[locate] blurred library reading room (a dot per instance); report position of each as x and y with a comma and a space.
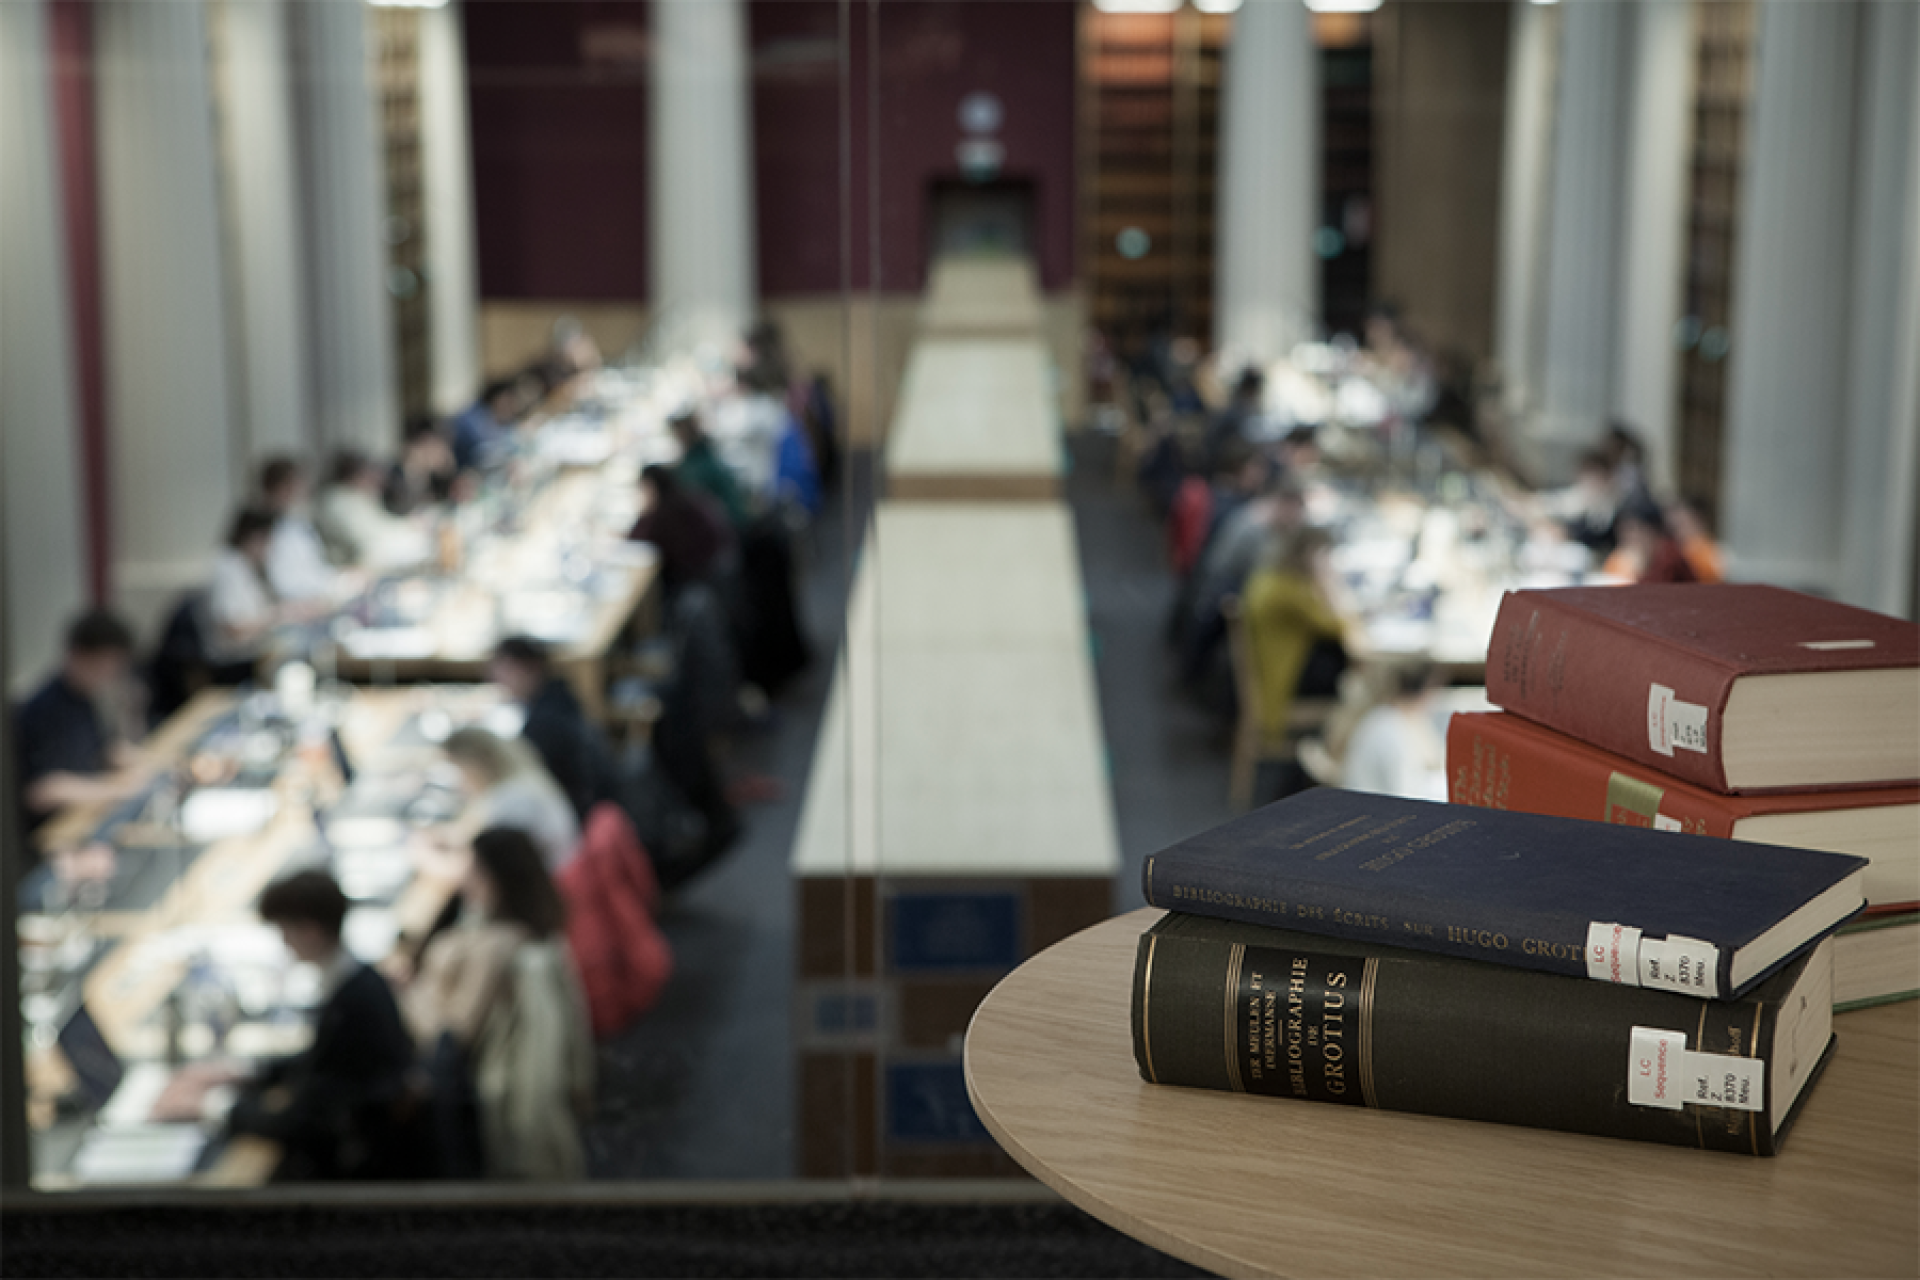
716, 637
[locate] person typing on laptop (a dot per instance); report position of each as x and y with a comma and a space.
348, 1107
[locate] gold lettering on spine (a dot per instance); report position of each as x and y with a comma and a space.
1146, 1010
1369, 979
1236, 959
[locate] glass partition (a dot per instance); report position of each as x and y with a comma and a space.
840, 481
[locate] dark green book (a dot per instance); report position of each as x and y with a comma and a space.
1218, 1004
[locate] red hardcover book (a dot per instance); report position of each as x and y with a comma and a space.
1732, 687
1496, 760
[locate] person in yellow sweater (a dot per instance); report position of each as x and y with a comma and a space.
1287, 609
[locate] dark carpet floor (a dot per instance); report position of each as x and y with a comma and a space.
836, 1239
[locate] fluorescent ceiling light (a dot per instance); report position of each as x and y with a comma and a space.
1136, 6
1343, 6
1216, 6
408, 4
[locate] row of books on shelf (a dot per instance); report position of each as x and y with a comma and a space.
1690, 836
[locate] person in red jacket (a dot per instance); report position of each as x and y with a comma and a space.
612, 895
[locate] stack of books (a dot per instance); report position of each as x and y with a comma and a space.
1741, 711
1650, 955
1494, 966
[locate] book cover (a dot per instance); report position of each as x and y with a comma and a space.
1218, 1005
1498, 760
1619, 904
1650, 672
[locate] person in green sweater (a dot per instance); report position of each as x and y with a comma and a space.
701, 468
1287, 609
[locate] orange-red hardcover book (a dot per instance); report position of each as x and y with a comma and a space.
1497, 760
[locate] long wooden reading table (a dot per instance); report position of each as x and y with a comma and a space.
977, 419
956, 820
146, 952
972, 295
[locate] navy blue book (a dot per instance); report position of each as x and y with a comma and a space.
1632, 905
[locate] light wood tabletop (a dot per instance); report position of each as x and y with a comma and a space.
981, 295
962, 735
977, 418
1274, 1187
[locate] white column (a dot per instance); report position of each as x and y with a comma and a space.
43, 525
355, 395
702, 245
168, 414
1266, 278
1532, 54
453, 271
266, 227
1787, 374
1654, 234
1576, 381
1883, 347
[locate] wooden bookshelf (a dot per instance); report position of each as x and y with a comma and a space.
1724, 52
396, 71
1150, 136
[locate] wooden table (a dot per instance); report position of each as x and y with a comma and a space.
1270, 1187
129, 983
514, 578
957, 819
983, 295
978, 418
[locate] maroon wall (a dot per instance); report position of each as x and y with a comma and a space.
932, 54
560, 149
558, 94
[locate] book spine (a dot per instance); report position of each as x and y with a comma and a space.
1229, 890
1473, 1042
1495, 761
1620, 690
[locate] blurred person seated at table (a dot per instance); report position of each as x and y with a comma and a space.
1200, 512
497, 1005
349, 1106
483, 429
1228, 561
1696, 541
355, 524
1647, 550
297, 566
761, 439
701, 469
507, 786
425, 473
684, 525
1587, 508
1294, 631
1234, 424
1395, 749
571, 351
569, 744
242, 606
68, 739
1626, 457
